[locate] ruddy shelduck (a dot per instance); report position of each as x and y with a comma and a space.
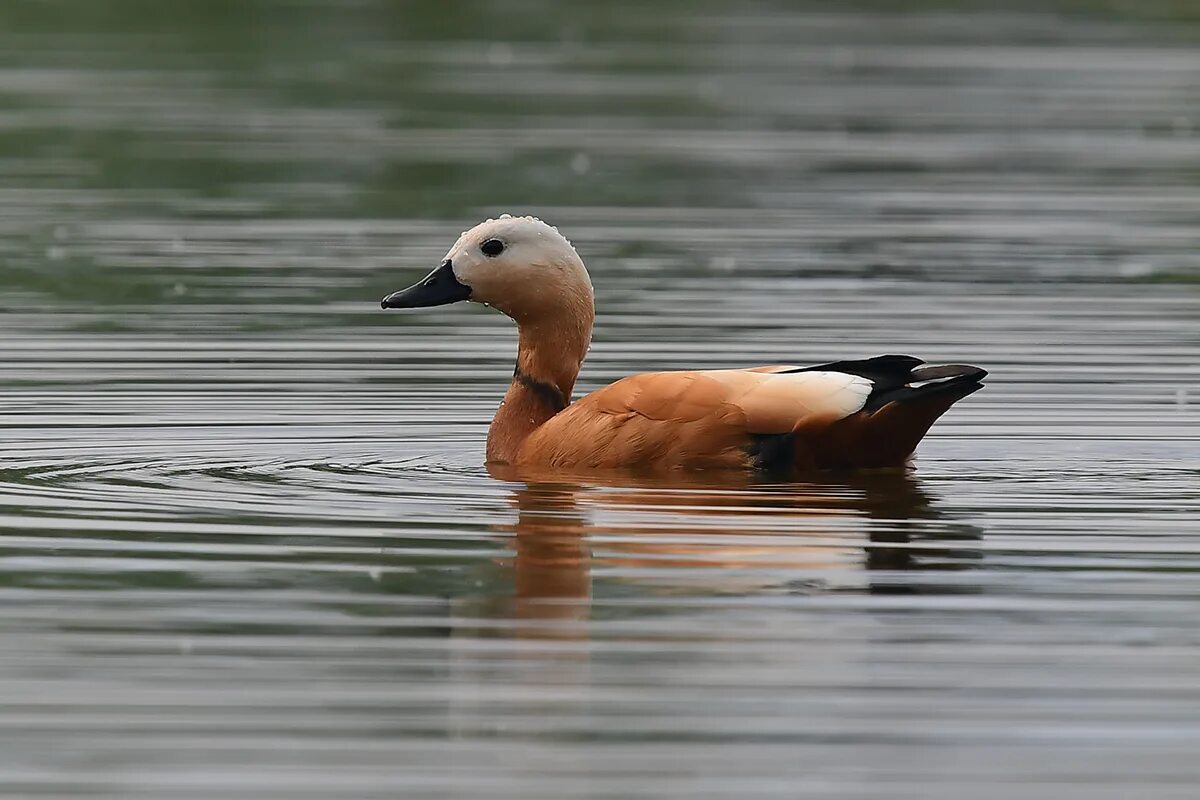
845, 414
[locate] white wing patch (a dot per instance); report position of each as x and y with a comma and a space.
827, 392
778, 402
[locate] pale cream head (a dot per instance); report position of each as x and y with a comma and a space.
520, 266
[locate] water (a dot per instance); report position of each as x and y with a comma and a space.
249, 546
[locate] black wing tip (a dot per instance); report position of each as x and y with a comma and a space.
893, 377
955, 381
895, 368
900, 378
889, 368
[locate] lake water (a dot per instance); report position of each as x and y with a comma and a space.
249, 546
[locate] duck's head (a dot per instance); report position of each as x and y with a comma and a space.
518, 265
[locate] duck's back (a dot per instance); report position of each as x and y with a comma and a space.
854, 413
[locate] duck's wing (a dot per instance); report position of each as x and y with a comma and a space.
689, 419
847, 413
900, 379
781, 399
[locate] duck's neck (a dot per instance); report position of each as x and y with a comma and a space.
550, 352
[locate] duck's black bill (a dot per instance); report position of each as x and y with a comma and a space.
438, 288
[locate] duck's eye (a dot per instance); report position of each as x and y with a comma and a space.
492, 247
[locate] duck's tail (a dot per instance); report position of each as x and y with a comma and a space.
906, 398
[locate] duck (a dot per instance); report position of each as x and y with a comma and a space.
777, 419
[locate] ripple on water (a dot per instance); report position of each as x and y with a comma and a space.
249, 547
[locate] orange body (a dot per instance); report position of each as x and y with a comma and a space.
706, 420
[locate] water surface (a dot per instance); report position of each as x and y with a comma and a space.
249, 545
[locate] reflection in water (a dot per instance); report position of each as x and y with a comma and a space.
552, 567
730, 535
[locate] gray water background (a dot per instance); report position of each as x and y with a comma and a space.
249, 548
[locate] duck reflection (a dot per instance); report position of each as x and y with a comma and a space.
552, 567
872, 532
